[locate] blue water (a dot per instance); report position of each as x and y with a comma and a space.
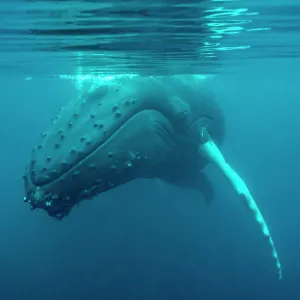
148, 240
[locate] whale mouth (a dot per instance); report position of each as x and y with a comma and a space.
45, 168
93, 146
92, 159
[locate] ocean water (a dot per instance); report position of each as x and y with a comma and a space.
147, 239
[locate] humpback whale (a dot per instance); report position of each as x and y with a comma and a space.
167, 127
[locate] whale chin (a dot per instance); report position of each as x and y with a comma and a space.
133, 149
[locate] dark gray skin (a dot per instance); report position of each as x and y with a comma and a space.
123, 130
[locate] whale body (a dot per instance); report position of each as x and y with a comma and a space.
141, 127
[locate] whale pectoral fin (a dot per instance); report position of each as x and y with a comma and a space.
210, 151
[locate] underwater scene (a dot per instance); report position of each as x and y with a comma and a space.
150, 150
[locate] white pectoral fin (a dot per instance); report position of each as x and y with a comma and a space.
210, 151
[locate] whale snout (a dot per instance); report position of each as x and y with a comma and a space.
104, 140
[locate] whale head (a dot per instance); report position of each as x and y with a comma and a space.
110, 136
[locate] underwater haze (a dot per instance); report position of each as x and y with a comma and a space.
148, 239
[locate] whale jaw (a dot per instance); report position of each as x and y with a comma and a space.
133, 150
